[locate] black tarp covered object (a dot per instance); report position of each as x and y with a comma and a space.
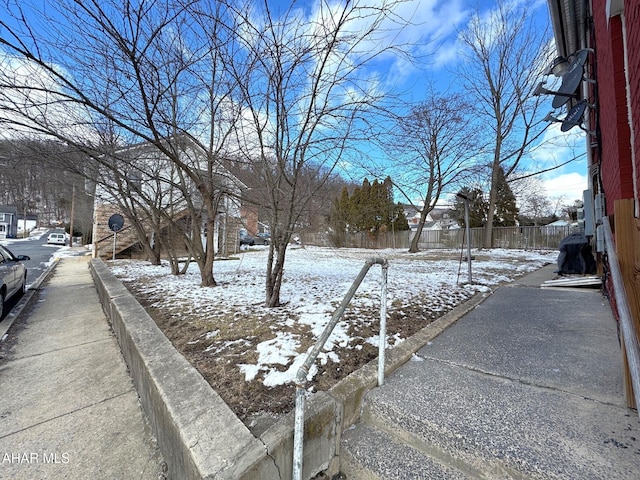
576, 256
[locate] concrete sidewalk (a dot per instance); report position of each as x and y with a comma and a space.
68, 408
527, 385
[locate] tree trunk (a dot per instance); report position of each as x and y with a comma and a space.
152, 249
207, 271
413, 248
153, 256
275, 272
493, 191
488, 228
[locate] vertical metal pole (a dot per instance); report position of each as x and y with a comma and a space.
115, 235
468, 229
298, 433
301, 376
73, 207
383, 326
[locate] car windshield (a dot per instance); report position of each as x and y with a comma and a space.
5, 254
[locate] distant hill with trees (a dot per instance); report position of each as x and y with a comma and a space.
40, 178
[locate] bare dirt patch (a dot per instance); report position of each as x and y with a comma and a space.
224, 331
237, 337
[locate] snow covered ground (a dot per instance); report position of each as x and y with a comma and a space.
315, 282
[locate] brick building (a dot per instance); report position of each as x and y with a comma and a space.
608, 34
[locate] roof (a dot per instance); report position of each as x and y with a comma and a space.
183, 142
558, 223
569, 20
9, 209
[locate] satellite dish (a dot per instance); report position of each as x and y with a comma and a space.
570, 83
116, 222
574, 117
581, 56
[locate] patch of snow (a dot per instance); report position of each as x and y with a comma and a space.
315, 282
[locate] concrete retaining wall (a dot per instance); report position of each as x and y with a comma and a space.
198, 434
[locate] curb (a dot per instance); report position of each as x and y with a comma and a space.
198, 434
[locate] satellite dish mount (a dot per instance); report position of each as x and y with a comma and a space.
116, 222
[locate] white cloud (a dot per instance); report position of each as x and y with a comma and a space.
568, 185
557, 146
33, 103
566, 151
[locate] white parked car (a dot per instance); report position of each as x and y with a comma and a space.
57, 239
13, 276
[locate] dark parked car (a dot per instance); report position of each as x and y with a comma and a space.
262, 239
247, 240
13, 275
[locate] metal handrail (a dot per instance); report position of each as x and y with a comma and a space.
631, 346
303, 371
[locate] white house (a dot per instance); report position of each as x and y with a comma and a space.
8, 222
155, 183
413, 219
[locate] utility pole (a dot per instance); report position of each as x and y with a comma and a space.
73, 207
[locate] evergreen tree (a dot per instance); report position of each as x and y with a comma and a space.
369, 209
398, 219
506, 213
379, 208
340, 216
477, 208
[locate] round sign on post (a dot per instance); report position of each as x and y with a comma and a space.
116, 222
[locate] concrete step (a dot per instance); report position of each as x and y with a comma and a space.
369, 453
458, 422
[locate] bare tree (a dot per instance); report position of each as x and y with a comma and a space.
533, 201
307, 103
39, 177
433, 145
504, 55
151, 72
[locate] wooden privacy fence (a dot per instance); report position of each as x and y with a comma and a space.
527, 238
627, 246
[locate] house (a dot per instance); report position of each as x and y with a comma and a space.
154, 184
30, 222
8, 222
557, 226
253, 212
598, 45
413, 219
445, 217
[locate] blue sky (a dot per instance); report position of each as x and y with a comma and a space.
433, 32
439, 23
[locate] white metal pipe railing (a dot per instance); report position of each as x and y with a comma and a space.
631, 346
303, 371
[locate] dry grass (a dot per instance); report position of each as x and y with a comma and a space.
216, 357
216, 343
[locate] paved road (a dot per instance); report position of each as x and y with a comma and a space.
36, 247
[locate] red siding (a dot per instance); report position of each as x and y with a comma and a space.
616, 163
632, 23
